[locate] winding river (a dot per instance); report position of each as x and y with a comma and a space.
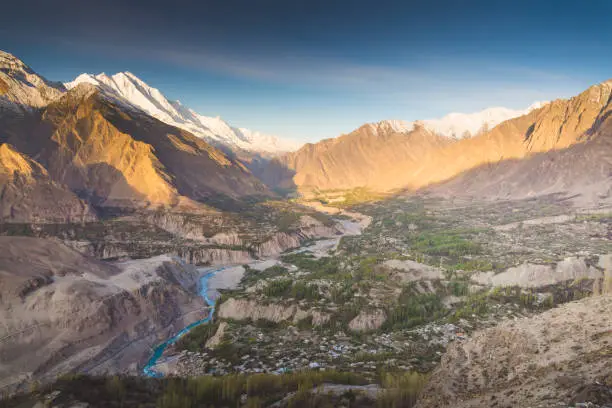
149, 368
320, 248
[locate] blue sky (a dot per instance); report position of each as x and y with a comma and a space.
315, 69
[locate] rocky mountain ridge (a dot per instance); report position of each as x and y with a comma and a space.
461, 125
22, 89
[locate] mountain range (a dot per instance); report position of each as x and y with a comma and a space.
84, 144
561, 146
462, 125
113, 141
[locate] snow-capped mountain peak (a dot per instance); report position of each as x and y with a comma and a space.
133, 91
461, 125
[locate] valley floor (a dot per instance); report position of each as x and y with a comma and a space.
412, 282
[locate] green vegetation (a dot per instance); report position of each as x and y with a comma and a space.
413, 310
324, 267
251, 276
471, 265
287, 288
448, 243
288, 221
480, 304
458, 288
196, 339
401, 390
358, 195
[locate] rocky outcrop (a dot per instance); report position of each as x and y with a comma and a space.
193, 254
530, 275
247, 309
278, 243
213, 256
545, 360
196, 222
220, 249
243, 309
283, 241
408, 271
368, 320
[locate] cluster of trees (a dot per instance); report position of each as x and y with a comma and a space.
414, 309
401, 390
253, 275
447, 244
287, 288
322, 267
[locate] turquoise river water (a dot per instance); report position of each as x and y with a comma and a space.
149, 368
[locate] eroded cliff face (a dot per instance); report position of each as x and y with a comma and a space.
73, 313
368, 320
238, 243
533, 275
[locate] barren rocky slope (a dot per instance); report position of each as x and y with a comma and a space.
61, 311
375, 156
558, 358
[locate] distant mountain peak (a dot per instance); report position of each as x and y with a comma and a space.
457, 125
133, 91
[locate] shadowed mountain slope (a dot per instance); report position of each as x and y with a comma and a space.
583, 170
